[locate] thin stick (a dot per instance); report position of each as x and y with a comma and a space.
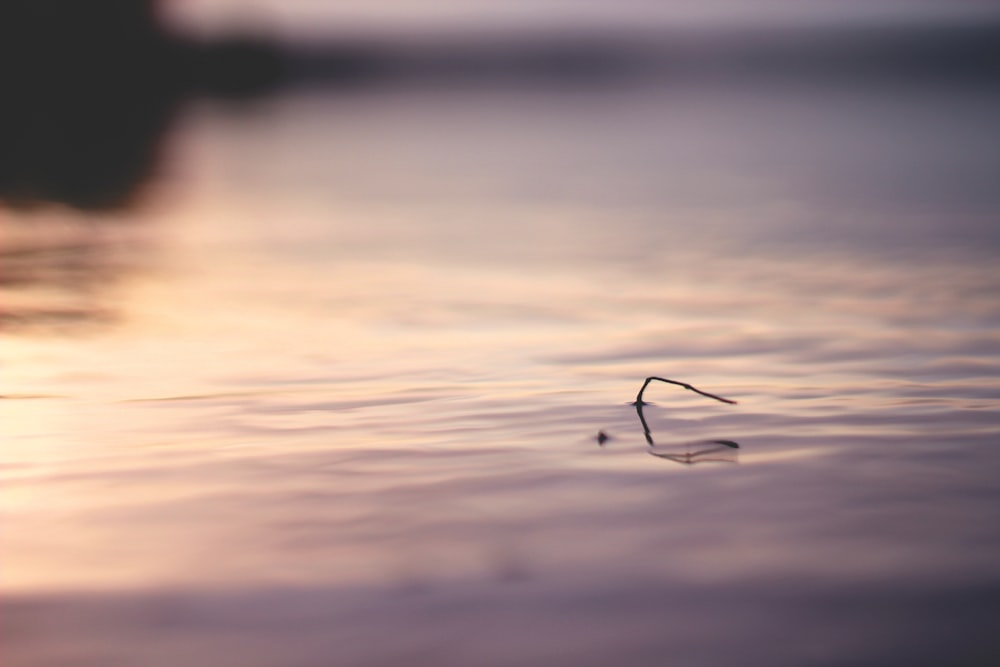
639, 401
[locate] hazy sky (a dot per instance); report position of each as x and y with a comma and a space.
312, 17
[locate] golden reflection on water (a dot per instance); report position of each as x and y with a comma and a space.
332, 369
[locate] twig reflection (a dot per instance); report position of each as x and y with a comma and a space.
710, 450
720, 451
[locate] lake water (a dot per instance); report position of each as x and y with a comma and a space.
330, 394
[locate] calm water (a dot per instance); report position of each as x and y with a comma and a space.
330, 395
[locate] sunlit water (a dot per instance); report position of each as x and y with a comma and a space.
332, 394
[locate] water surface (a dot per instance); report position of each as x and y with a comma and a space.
332, 394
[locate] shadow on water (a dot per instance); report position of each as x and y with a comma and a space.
65, 280
89, 92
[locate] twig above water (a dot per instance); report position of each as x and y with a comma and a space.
640, 402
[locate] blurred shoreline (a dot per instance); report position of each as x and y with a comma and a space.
966, 54
91, 88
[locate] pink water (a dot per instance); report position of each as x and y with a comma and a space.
331, 394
